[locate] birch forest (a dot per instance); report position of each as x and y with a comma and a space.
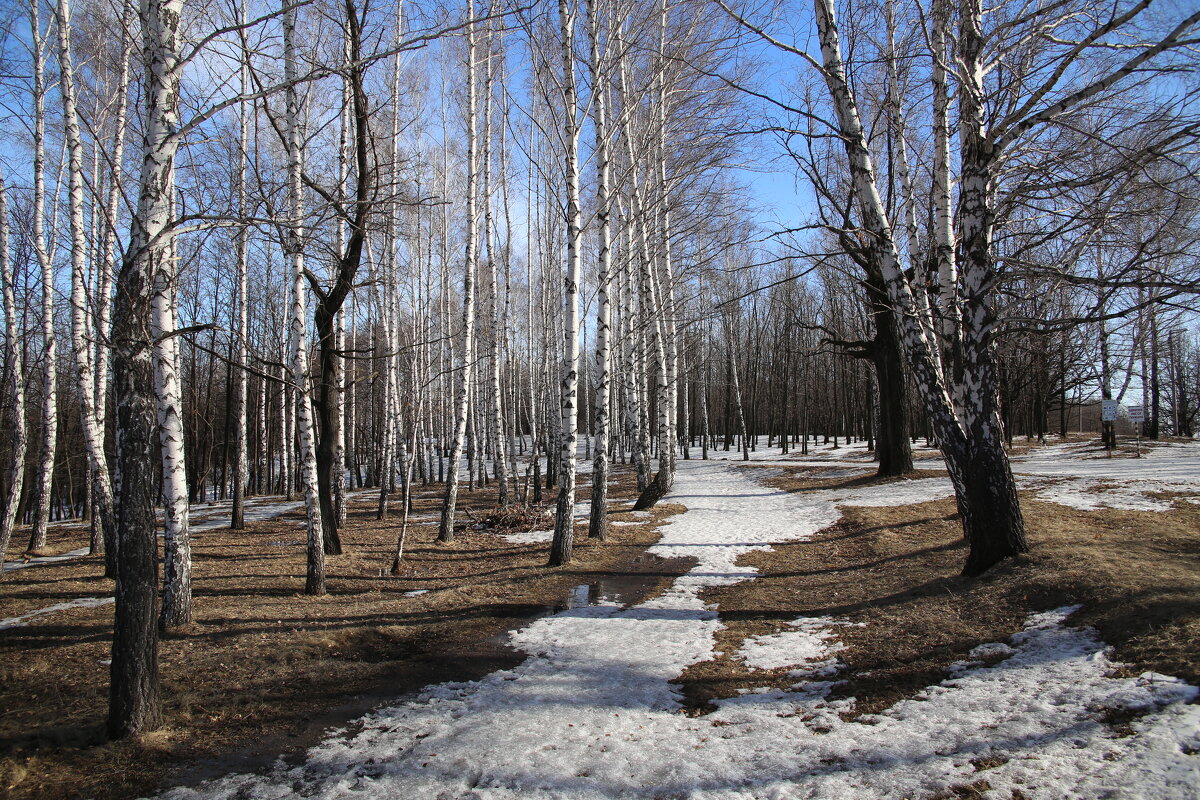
344, 251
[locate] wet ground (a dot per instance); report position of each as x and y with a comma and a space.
466, 662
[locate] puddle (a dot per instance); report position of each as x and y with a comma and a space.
621, 590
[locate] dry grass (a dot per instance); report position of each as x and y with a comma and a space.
1136, 574
264, 669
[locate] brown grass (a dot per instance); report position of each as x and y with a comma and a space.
264, 669
1137, 575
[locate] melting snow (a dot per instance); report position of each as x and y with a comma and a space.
592, 714
811, 645
82, 602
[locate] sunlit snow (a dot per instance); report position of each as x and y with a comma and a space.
592, 712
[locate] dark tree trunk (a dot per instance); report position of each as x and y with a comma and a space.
1152, 426
325, 406
135, 706
134, 703
893, 447
992, 521
331, 300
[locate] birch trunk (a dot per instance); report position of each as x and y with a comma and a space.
109, 257
446, 526
49, 418
135, 705
294, 246
90, 424
241, 465
14, 406
564, 518
499, 456
947, 315
598, 518
177, 552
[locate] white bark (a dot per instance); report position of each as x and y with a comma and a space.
177, 551
109, 256
14, 405
564, 519
943, 215
497, 405
446, 527
294, 246
90, 424
49, 417
669, 400
598, 518
241, 472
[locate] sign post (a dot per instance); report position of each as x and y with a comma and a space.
1137, 415
1108, 413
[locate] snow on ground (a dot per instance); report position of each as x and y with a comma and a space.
592, 713
38, 560
530, 537
82, 602
201, 517
207, 518
1079, 476
810, 645
1075, 474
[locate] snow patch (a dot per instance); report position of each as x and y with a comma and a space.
811, 646
529, 537
82, 602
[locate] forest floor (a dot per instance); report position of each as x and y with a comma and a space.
800, 631
264, 670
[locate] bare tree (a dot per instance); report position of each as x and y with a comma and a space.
14, 386
135, 705
564, 518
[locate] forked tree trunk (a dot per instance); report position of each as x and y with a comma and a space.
135, 705
974, 453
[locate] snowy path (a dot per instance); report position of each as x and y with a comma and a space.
591, 713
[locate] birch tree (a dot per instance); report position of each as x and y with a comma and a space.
49, 416
462, 398
14, 388
93, 431
241, 466
135, 704
597, 66
109, 257
294, 248
564, 518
